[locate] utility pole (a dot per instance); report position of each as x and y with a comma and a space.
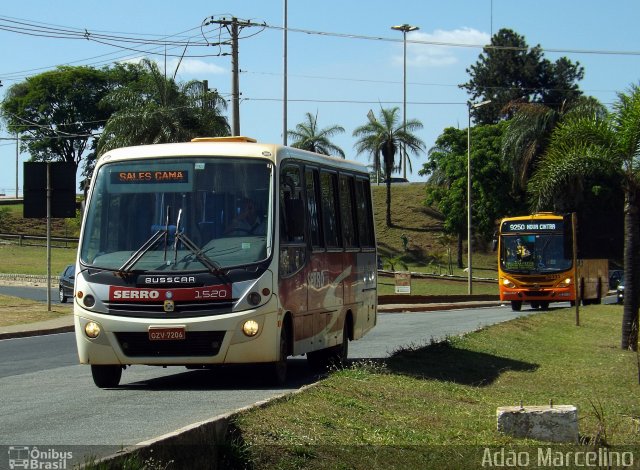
235, 80
234, 26
205, 90
17, 158
284, 83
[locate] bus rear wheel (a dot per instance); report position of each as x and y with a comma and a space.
334, 356
516, 305
106, 376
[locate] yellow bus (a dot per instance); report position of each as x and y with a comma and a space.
223, 251
535, 263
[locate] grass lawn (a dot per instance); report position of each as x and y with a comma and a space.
15, 259
435, 406
14, 311
435, 286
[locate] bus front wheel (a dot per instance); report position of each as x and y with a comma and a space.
106, 376
516, 305
278, 374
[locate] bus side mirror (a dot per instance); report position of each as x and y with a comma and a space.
494, 243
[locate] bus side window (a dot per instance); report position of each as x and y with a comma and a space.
313, 213
328, 185
364, 213
292, 221
347, 213
291, 206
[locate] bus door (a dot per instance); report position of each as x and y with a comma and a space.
293, 255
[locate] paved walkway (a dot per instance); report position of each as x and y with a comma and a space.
64, 323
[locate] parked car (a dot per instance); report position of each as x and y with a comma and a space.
66, 282
615, 276
620, 290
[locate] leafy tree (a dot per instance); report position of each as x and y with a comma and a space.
154, 109
447, 188
308, 137
592, 145
382, 137
509, 71
58, 111
529, 130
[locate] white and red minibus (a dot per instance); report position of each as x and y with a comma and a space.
223, 251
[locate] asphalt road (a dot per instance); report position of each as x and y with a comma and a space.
31, 293
47, 398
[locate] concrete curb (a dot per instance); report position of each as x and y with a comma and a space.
37, 332
212, 432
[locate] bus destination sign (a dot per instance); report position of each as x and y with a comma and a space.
155, 177
538, 226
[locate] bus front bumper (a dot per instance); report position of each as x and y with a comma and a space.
209, 340
539, 295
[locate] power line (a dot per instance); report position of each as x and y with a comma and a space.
452, 44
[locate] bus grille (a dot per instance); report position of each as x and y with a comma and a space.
156, 310
196, 343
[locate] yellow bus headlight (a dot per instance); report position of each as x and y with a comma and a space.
507, 283
92, 330
250, 328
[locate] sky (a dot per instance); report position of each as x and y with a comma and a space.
343, 57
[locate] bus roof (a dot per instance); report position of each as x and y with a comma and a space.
233, 146
537, 215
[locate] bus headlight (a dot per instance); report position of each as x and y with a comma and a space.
254, 298
567, 281
250, 328
92, 330
507, 283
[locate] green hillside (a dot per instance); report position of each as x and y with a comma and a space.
426, 248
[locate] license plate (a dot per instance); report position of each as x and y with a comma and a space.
167, 334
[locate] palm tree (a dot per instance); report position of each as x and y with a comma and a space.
382, 137
156, 109
585, 146
308, 137
529, 130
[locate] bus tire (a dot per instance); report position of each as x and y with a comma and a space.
278, 373
335, 356
106, 376
544, 305
338, 354
516, 305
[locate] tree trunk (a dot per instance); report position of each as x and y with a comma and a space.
631, 268
389, 199
460, 266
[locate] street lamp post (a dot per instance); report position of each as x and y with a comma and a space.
405, 28
470, 106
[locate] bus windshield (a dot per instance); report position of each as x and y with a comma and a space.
533, 253
179, 214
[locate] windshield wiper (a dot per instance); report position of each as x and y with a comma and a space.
146, 246
210, 264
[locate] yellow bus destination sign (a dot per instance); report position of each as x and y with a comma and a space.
515, 226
